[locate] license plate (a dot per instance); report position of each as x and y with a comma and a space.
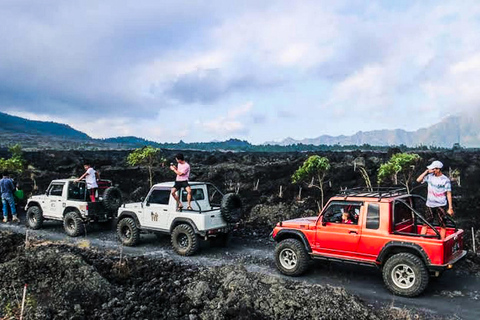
455, 248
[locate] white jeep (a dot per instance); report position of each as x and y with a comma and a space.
67, 200
213, 216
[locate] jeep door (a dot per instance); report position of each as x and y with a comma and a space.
156, 209
336, 236
54, 202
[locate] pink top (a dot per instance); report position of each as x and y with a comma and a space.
185, 170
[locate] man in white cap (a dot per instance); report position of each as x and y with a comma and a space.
439, 192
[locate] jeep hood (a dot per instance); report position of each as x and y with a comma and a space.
299, 222
37, 197
131, 206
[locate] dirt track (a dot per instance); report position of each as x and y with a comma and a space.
455, 295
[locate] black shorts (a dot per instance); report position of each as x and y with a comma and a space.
181, 184
438, 213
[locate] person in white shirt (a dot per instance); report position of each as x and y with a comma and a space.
90, 177
439, 193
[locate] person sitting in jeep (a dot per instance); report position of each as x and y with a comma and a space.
346, 218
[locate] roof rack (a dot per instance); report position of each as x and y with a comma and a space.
378, 192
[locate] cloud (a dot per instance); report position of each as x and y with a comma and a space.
317, 64
230, 123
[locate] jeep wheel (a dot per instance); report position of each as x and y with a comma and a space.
73, 224
231, 208
184, 240
291, 258
34, 218
405, 274
112, 198
127, 232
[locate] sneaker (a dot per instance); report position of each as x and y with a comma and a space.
5, 220
15, 219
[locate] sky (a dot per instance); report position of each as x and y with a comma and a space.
253, 70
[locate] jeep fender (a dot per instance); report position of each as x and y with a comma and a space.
33, 203
129, 214
68, 209
190, 222
393, 247
286, 233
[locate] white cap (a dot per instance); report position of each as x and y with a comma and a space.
435, 164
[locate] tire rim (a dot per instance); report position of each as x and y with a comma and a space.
70, 224
126, 232
32, 218
403, 276
288, 258
182, 240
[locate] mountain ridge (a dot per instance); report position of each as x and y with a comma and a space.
453, 130
456, 129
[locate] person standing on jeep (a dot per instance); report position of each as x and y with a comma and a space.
90, 176
439, 192
7, 189
183, 174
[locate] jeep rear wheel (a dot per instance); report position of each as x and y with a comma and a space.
73, 224
291, 258
405, 274
184, 240
34, 218
112, 198
127, 232
231, 208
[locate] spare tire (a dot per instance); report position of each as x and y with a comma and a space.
112, 198
231, 207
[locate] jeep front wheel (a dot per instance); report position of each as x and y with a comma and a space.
34, 217
73, 224
291, 258
127, 232
184, 240
405, 274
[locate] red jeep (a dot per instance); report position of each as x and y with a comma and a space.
387, 228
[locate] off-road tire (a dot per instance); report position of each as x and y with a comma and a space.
112, 198
231, 208
405, 274
128, 232
73, 224
34, 218
291, 258
184, 240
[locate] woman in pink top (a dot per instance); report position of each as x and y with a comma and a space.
183, 173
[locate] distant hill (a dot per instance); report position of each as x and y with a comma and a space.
462, 129
130, 141
17, 125
34, 135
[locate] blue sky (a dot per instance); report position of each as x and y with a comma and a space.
254, 70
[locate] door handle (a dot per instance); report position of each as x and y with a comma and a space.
165, 209
212, 216
352, 231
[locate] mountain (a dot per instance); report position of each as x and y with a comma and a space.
463, 129
34, 135
17, 125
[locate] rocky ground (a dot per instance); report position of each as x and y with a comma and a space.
69, 282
